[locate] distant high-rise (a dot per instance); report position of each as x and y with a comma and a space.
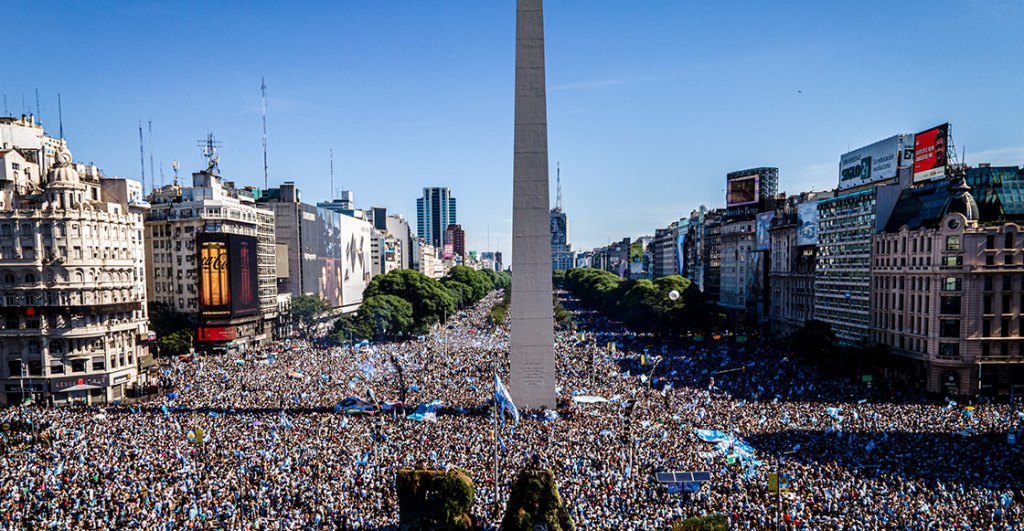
434, 212
456, 238
562, 255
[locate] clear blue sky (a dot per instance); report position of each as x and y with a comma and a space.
650, 103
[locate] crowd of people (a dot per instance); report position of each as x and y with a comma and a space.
265, 439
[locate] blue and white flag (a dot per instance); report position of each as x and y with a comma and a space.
504, 400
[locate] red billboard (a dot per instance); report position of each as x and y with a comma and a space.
930, 153
217, 333
742, 189
228, 275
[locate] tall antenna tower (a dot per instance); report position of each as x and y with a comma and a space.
39, 111
142, 157
162, 174
558, 180
332, 174
60, 114
175, 166
263, 88
210, 145
6, 112
152, 174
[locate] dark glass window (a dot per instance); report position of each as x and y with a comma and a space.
950, 305
949, 328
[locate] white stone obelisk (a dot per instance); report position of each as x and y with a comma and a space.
532, 381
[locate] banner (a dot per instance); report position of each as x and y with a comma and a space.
930, 153
807, 223
762, 240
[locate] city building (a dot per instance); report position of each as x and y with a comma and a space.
870, 182
212, 254
792, 240
434, 212
948, 277
72, 275
741, 279
429, 263
562, 255
668, 256
455, 243
737, 243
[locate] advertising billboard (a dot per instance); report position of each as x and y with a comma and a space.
871, 164
807, 223
228, 275
930, 153
761, 237
742, 190
356, 260
681, 253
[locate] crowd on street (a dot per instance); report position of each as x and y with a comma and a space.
305, 435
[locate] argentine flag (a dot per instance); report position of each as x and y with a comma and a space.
504, 400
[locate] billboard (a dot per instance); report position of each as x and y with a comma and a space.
930, 153
761, 237
681, 252
878, 162
807, 223
742, 189
228, 275
356, 260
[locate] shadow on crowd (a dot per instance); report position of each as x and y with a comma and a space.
982, 460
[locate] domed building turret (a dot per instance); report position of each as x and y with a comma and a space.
64, 188
961, 200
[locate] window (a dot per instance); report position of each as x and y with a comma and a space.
986, 303
953, 283
953, 261
952, 243
986, 327
950, 305
99, 364
990, 241
949, 328
1008, 259
1004, 328
987, 283
1009, 241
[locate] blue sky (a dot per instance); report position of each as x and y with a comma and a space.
650, 103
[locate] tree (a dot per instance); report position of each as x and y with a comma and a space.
477, 281
348, 328
306, 311
386, 315
534, 500
430, 301
814, 342
179, 342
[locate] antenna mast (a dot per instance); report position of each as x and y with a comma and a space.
558, 179
210, 145
6, 112
332, 174
142, 157
263, 88
152, 174
39, 112
175, 166
60, 114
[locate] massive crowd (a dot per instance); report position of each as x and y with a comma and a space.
258, 440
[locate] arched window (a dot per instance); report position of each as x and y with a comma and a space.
30, 278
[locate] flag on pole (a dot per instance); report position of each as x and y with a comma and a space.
504, 400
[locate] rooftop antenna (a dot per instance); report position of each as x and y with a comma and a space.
142, 157
60, 114
39, 112
162, 174
263, 88
152, 174
175, 166
6, 112
210, 145
332, 174
558, 179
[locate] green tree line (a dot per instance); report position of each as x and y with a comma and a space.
406, 302
643, 305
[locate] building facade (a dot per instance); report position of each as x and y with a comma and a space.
74, 325
434, 212
791, 258
208, 249
455, 240
948, 278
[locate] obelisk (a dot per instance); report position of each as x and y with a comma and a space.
532, 381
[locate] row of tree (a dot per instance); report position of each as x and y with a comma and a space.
667, 306
406, 302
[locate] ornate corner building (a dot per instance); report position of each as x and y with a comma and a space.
73, 322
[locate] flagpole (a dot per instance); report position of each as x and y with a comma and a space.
497, 505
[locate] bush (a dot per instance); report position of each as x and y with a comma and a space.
705, 523
434, 499
534, 500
